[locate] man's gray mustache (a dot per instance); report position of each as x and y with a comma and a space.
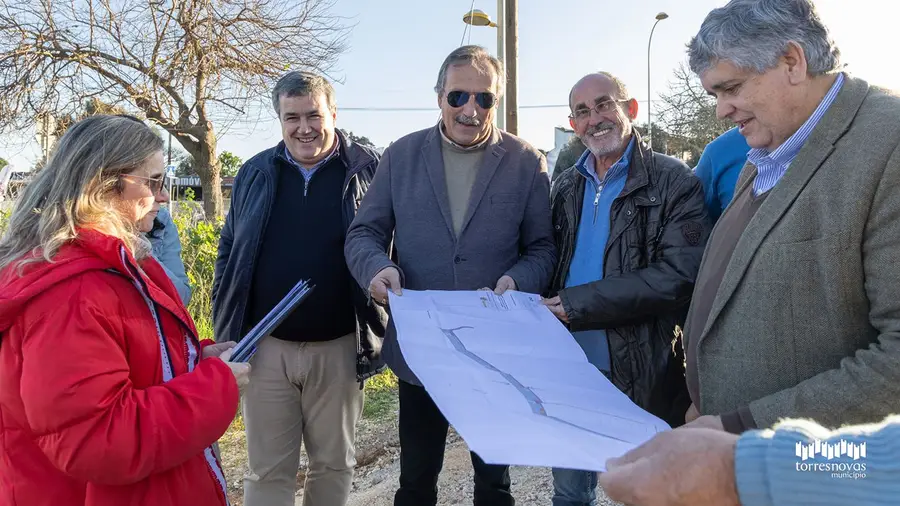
468, 120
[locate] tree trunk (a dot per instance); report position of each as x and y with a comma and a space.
208, 169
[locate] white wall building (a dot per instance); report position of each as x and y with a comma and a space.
561, 136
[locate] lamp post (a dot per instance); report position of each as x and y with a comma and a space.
477, 17
659, 17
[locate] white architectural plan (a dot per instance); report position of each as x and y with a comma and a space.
513, 382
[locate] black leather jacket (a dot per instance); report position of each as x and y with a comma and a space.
251, 201
658, 229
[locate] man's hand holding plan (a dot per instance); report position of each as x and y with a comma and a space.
513, 382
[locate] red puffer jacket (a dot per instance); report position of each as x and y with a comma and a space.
104, 400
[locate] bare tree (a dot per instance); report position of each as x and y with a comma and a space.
189, 66
689, 113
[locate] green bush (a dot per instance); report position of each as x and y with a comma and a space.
199, 247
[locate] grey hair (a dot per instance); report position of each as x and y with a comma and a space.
74, 190
621, 89
477, 57
753, 35
302, 84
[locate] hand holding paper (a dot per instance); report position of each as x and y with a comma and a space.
386, 279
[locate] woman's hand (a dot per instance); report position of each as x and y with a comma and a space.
215, 350
241, 370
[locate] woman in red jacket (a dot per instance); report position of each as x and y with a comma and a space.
107, 398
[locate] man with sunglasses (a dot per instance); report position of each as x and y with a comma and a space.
630, 227
467, 207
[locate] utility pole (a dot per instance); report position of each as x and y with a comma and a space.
511, 43
501, 55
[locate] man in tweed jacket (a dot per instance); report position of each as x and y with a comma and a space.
796, 310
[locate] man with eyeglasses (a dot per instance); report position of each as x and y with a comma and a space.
467, 207
630, 227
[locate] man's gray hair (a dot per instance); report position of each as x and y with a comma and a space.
753, 35
479, 58
301, 84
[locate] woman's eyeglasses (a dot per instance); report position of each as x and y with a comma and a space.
154, 183
484, 99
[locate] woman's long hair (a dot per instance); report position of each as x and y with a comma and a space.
76, 188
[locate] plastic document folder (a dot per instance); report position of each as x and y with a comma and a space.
247, 346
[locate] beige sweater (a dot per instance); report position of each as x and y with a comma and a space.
460, 168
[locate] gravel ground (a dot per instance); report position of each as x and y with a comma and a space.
375, 484
378, 470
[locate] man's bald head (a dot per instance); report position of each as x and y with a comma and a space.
614, 83
602, 113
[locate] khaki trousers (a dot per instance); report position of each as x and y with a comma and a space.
301, 392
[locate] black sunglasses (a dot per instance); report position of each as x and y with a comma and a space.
484, 99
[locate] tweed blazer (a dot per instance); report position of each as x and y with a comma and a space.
806, 321
506, 230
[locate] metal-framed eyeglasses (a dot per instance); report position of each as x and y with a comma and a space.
600, 108
156, 184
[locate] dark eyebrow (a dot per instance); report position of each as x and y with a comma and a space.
604, 98
580, 106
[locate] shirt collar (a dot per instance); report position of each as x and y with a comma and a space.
460, 147
585, 165
334, 152
785, 154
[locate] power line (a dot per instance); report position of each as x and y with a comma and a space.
467, 25
435, 109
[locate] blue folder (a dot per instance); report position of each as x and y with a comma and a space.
247, 346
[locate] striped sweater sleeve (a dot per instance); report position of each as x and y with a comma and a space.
791, 465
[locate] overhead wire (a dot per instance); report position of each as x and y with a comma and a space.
468, 26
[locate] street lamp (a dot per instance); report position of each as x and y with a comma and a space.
659, 17
478, 17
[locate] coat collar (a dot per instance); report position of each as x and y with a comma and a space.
434, 164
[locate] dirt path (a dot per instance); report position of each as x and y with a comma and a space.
378, 470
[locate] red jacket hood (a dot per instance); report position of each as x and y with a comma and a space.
90, 251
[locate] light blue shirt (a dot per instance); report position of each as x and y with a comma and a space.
167, 251
591, 239
308, 173
770, 167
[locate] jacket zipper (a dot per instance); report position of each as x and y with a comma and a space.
597, 203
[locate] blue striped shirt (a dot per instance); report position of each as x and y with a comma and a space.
770, 167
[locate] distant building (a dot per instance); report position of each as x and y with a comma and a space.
179, 186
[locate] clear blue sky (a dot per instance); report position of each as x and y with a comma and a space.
397, 46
